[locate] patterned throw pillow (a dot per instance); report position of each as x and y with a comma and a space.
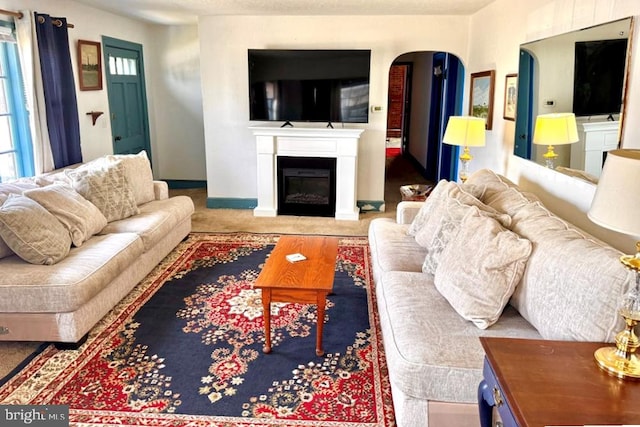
480, 268
79, 216
438, 194
105, 185
32, 232
137, 169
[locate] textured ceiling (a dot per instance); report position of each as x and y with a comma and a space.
173, 12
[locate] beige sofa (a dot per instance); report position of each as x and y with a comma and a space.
496, 262
60, 296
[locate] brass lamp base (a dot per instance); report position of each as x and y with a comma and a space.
622, 360
609, 360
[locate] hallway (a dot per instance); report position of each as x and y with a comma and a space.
399, 171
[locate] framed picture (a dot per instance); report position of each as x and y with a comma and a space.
89, 65
481, 100
510, 96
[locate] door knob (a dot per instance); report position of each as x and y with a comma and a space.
118, 138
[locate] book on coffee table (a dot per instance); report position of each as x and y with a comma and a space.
295, 257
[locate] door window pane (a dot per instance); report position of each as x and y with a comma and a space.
4, 108
5, 134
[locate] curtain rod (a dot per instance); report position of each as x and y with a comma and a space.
18, 15
56, 22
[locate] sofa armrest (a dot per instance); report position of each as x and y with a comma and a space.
161, 190
406, 211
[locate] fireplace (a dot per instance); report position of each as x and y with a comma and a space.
341, 145
306, 186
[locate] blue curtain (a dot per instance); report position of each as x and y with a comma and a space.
59, 90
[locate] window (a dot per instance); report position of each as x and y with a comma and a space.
16, 153
119, 66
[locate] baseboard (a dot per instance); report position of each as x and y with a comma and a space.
181, 184
231, 203
371, 205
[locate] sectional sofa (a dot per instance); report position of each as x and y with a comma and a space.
74, 242
481, 259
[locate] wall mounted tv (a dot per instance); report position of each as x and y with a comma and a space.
599, 77
309, 85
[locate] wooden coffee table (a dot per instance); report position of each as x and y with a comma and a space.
307, 282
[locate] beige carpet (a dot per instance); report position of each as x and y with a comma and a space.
399, 172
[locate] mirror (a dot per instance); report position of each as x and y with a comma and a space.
583, 72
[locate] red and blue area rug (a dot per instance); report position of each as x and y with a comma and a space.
184, 348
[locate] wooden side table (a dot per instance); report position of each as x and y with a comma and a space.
538, 383
306, 282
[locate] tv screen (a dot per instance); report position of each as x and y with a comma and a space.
309, 85
599, 77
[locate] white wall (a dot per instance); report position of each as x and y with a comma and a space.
164, 90
495, 36
224, 40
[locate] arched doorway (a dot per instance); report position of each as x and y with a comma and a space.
425, 89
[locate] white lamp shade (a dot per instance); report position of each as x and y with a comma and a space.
555, 129
617, 199
465, 131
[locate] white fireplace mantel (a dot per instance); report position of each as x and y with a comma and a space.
341, 144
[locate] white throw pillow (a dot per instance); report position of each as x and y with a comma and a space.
137, 169
105, 185
79, 216
480, 268
32, 232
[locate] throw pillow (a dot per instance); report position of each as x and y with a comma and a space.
32, 232
439, 192
105, 185
452, 208
5, 250
480, 268
137, 168
79, 216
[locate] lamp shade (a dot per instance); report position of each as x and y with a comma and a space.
555, 129
465, 131
617, 199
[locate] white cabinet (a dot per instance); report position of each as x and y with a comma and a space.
595, 139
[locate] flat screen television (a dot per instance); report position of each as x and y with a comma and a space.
599, 77
309, 85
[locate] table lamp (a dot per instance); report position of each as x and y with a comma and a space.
554, 129
465, 131
615, 206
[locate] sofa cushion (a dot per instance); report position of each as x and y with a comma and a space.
32, 232
69, 284
573, 283
79, 216
480, 268
392, 249
138, 171
155, 219
431, 351
105, 185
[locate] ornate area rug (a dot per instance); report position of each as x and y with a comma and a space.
184, 348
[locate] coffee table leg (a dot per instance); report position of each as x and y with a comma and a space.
321, 301
266, 313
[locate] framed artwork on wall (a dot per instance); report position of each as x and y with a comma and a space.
481, 99
89, 65
510, 96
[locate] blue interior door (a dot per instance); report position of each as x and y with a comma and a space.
446, 101
523, 106
127, 96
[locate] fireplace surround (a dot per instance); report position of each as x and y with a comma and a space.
338, 144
